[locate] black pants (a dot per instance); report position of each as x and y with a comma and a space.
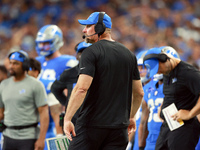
183, 138
99, 139
13, 144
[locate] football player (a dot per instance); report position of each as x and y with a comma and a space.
48, 42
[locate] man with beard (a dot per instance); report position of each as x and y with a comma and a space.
22, 106
108, 90
181, 82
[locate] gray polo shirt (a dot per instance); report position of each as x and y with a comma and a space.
20, 101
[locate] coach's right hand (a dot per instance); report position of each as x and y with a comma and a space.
132, 126
68, 129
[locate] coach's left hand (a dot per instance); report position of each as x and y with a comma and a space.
181, 115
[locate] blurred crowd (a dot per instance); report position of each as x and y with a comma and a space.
138, 24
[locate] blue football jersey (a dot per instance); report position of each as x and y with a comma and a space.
154, 98
52, 69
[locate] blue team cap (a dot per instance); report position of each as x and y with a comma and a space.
81, 46
16, 56
93, 19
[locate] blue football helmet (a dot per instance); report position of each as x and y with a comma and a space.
158, 54
51, 34
140, 57
170, 51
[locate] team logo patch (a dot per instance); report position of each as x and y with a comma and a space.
174, 80
22, 91
151, 89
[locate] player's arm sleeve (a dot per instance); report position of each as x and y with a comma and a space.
65, 81
57, 89
40, 95
87, 63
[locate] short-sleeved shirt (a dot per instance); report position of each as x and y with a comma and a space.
67, 80
20, 101
182, 87
108, 101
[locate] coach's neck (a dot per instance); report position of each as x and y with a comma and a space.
106, 35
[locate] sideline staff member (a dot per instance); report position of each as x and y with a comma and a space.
181, 87
67, 80
107, 80
21, 106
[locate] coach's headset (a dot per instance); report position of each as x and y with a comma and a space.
162, 57
100, 26
24, 55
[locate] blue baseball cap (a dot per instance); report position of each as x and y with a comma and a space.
81, 46
16, 56
93, 19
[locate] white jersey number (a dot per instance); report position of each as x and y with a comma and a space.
48, 74
152, 106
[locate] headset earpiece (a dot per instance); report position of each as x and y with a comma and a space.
161, 57
100, 26
26, 63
